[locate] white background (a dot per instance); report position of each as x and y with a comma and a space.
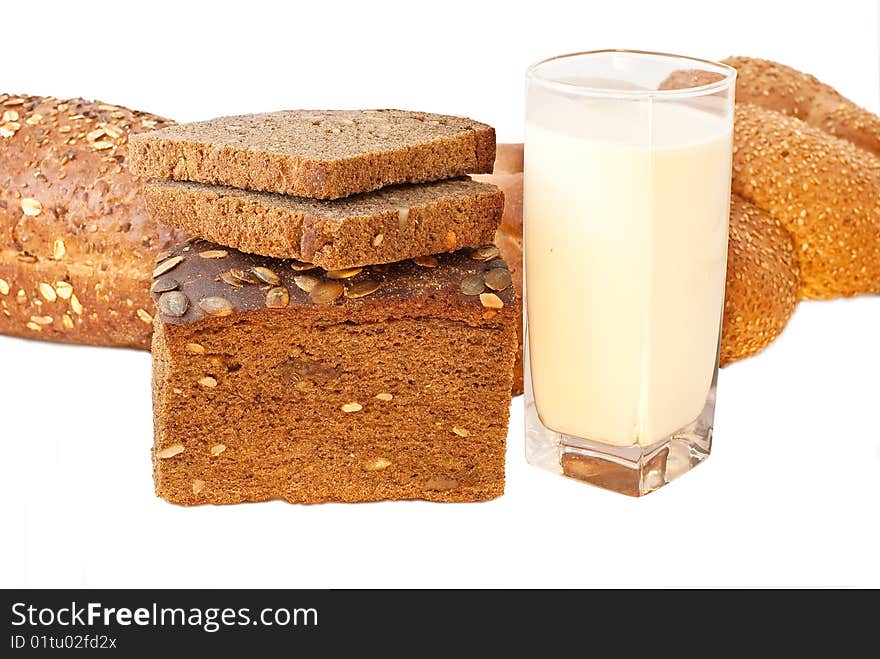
789, 497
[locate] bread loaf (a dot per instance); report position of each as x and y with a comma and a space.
383, 382
808, 156
823, 189
761, 291
76, 245
830, 189
775, 86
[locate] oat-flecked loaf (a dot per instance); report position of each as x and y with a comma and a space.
778, 87
76, 244
322, 154
823, 189
387, 382
391, 224
762, 282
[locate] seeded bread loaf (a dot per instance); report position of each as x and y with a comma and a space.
762, 282
790, 162
391, 224
321, 154
778, 87
76, 244
385, 382
823, 189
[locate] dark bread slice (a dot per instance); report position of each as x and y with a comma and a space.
395, 392
322, 154
391, 224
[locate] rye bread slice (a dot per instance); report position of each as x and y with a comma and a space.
391, 224
322, 154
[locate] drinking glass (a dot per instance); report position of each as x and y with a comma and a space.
626, 200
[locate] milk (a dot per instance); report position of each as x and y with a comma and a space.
625, 217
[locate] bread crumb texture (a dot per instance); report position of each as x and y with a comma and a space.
391, 224
399, 393
775, 86
321, 154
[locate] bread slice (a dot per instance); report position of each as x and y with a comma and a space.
322, 154
391, 224
384, 382
76, 244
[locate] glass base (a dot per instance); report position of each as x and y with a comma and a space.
632, 470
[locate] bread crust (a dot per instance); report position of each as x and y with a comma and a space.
775, 86
822, 189
72, 213
809, 157
762, 282
67, 303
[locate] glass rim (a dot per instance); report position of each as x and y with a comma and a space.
729, 73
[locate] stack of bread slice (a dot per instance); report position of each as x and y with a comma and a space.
340, 327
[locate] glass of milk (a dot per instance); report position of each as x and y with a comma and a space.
626, 200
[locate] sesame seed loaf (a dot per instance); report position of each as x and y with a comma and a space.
807, 156
762, 282
76, 244
778, 87
321, 154
391, 224
272, 381
823, 189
